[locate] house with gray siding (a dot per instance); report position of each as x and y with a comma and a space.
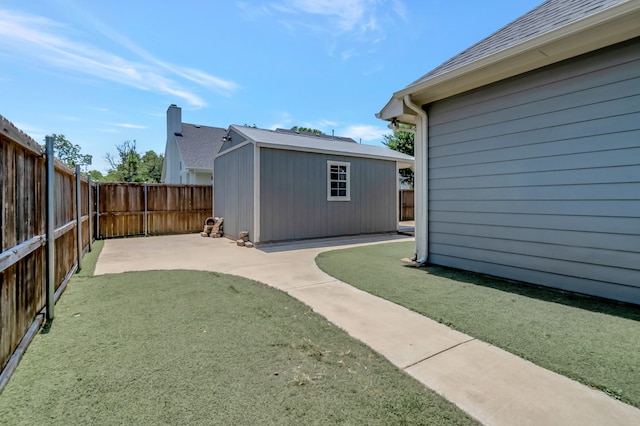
528, 151
283, 186
189, 150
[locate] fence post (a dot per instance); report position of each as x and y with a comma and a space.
78, 218
98, 209
146, 217
51, 264
89, 218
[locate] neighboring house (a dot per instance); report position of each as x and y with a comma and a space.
285, 186
528, 151
190, 150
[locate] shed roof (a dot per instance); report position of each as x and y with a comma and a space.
301, 142
316, 135
199, 145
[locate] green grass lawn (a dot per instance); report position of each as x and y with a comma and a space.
594, 341
187, 347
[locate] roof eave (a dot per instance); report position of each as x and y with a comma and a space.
396, 109
614, 25
407, 161
199, 169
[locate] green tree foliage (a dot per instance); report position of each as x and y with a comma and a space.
307, 130
128, 165
151, 166
69, 153
402, 141
96, 176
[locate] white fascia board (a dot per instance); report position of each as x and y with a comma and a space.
196, 170
407, 162
614, 25
233, 148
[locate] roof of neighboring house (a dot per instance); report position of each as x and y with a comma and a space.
554, 31
305, 143
317, 135
199, 145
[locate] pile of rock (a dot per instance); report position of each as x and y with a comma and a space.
213, 227
244, 240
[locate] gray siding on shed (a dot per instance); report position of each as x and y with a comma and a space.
236, 139
233, 190
293, 197
537, 178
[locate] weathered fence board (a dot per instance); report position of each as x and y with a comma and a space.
21, 247
170, 209
23, 265
120, 210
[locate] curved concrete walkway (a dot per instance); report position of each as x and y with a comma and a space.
492, 385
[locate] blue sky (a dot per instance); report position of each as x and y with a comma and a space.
103, 72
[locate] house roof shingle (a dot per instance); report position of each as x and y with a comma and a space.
549, 16
301, 142
199, 145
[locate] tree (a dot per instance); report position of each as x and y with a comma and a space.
151, 166
70, 153
307, 130
129, 166
125, 165
402, 141
96, 175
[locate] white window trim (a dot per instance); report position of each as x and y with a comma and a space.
338, 163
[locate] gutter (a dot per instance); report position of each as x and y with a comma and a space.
421, 182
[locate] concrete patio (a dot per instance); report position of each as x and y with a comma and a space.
492, 385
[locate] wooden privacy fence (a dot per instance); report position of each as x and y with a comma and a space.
49, 217
406, 200
46, 226
127, 209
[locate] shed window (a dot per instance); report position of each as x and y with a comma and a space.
338, 181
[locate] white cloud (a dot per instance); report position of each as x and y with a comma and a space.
322, 124
362, 20
399, 8
350, 13
37, 38
287, 121
365, 132
130, 126
217, 84
284, 122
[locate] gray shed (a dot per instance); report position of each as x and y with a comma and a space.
528, 151
284, 186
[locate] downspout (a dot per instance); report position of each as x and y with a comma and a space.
421, 182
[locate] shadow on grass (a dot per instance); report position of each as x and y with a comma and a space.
539, 292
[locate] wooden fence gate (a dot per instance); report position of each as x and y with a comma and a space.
406, 207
